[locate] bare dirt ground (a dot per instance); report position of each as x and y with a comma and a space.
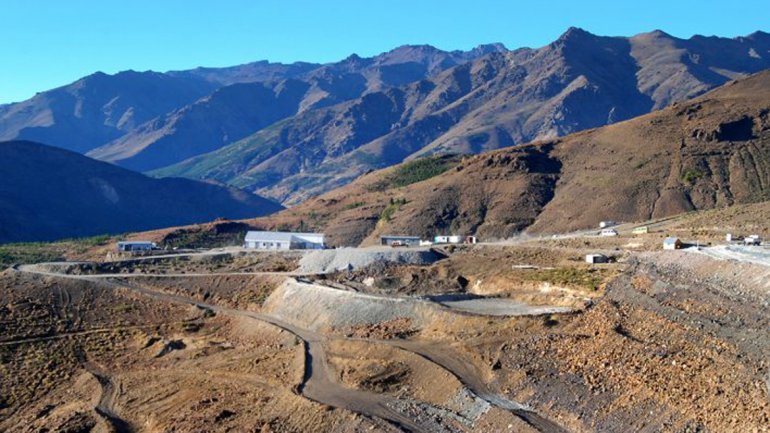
655, 341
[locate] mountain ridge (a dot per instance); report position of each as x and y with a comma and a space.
710, 152
50, 193
577, 82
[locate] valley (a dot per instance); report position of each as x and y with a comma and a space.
566, 236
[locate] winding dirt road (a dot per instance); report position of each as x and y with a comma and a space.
318, 382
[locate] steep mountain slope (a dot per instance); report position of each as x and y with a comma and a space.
713, 151
504, 98
97, 109
48, 193
101, 108
236, 111
230, 113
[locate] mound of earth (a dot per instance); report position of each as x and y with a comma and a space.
348, 259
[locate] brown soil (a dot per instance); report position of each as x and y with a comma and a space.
660, 341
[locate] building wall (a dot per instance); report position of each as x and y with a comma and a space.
268, 245
387, 240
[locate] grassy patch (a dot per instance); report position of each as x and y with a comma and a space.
37, 252
691, 175
30, 253
353, 205
387, 214
589, 278
416, 171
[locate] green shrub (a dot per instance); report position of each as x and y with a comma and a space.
387, 214
691, 175
416, 171
353, 205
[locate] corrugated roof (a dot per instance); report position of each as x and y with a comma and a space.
261, 236
254, 236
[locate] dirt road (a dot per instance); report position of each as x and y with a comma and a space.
748, 254
318, 382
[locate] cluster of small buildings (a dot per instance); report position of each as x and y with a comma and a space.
413, 241
748, 240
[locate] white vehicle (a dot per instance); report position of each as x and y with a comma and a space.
608, 232
752, 240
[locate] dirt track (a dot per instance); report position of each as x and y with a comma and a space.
318, 384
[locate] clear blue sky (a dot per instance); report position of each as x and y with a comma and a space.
48, 43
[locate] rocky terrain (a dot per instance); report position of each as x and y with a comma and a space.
226, 340
159, 113
295, 131
711, 152
502, 99
48, 193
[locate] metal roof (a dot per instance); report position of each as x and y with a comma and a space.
400, 237
261, 236
670, 240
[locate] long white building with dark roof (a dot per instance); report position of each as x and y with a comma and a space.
284, 241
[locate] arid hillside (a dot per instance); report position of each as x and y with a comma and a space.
505, 98
711, 152
48, 193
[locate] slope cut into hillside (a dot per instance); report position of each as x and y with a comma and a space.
708, 153
48, 193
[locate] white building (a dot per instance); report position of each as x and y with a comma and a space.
284, 241
672, 243
126, 246
443, 239
596, 258
608, 232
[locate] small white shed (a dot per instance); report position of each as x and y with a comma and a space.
672, 243
596, 258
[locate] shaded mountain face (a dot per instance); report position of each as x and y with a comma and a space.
501, 99
713, 151
146, 119
48, 193
97, 109
237, 111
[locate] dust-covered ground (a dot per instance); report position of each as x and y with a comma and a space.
672, 341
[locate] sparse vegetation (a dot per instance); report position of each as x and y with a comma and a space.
589, 278
395, 204
353, 205
691, 175
416, 171
37, 252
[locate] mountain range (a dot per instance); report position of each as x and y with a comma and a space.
291, 132
49, 193
709, 152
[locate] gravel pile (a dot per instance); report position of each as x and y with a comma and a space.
341, 259
320, 308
